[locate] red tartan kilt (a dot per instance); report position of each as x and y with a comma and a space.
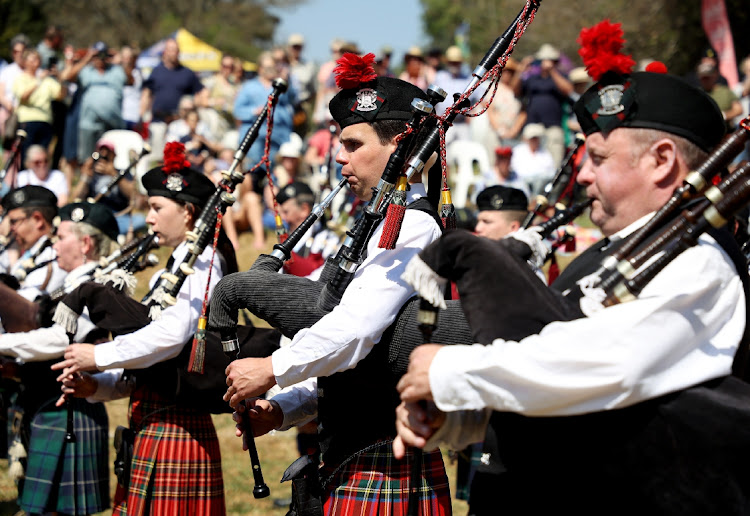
377, 483
176, 467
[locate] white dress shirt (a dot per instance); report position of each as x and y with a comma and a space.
683, 329
31, 286
342, 338
163, 338
46, 343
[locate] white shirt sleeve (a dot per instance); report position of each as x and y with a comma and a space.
299, 403
342, 338
42, 343
36, 282
460, 429
110, 386
683, 329
164, 338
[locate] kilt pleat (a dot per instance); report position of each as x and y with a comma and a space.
52, 463
376, 483
176, 467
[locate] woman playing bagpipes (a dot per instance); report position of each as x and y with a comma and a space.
61, 476
176, 463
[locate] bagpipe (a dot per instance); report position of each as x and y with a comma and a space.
28, 265
19, 314
496, 304
196, 377
299, 302
14, 157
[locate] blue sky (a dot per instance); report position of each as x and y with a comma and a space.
371, 25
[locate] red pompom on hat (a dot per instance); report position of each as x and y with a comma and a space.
352, 70
600, 50
656, 67
174, 157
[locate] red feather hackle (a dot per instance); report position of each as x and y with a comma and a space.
600, 50
174, 157
352, 70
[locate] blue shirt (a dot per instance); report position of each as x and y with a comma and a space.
544, 102
167, 86
254, 95
102, 96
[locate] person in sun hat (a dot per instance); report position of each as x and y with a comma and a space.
545, 90
617, 408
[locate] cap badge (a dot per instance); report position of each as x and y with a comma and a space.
367, 99
610, 98
19, 197
497, 202
174, 182
77, 215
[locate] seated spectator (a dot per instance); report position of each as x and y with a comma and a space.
321, 154
504, 174
97, 174
531, 161
288, 165
178, 128
413, 64
729, 104
198, 148
39, 173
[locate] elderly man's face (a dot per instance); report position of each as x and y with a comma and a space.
616, 180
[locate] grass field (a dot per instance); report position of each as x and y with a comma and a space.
276, 450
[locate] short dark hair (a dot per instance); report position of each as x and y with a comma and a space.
388, 129
48, 213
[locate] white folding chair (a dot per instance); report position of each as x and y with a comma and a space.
463, 154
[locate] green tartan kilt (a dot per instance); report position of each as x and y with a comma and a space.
52, 463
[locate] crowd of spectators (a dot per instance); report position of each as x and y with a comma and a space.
66, 99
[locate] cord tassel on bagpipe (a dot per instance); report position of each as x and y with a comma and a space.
447, 210
394, 215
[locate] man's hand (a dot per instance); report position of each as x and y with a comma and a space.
415, 423
264, 416
78, 357
79, 385
415, 384
247, 378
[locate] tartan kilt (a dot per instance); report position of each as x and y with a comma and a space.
49, 483
176, 466
375, 482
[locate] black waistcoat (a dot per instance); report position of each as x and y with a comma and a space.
356, 407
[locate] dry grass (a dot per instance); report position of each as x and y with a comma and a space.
276, 451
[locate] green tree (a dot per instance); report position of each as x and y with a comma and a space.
667, 30
239, 27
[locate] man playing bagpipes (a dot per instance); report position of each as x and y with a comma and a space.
353, 395
602, 408
30, 211
60, 476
